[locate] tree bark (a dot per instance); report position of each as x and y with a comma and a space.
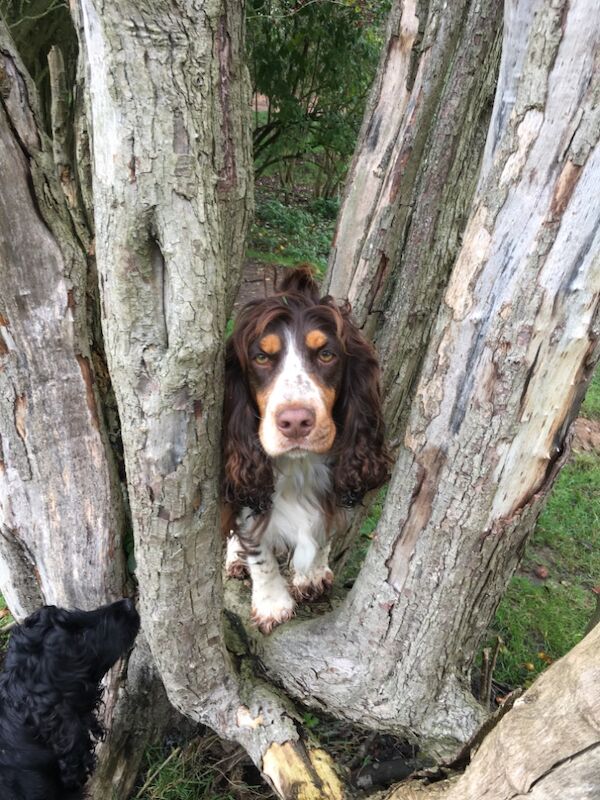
411, 183
546, 748
512, 350
512, 343
410, 187
61, 504
171, 153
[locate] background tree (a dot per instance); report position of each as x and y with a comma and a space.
505, 333
312, 63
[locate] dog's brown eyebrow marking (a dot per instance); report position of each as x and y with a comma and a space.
315, 339
271, 344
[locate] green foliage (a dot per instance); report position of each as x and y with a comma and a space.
314, 61
287, 235
36, 26
200, 770
549, 616
591, 405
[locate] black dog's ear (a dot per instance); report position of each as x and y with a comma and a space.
300, 279
362, 462
247, 471
72, 738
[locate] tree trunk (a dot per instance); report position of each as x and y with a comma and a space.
411, 184
497, 367
61, 503
512, 351
546, 748
61, 506
169, 103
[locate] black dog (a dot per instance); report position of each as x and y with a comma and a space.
49, 693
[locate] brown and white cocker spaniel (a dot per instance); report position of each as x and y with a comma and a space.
303, 440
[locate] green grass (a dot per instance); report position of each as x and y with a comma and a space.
549, 616
591, 405
200, 770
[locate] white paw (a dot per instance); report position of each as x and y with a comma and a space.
313, 585
270, 609
235, 562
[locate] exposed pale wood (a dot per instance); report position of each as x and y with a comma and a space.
546, 748
304, 774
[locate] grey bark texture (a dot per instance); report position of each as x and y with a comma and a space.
412, 179
511, 352
171, 157
61, 504
61, 508
411, 184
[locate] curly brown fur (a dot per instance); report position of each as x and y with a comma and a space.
361, 461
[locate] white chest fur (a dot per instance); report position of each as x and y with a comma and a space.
297, 521
296, 525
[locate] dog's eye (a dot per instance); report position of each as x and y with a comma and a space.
261, 359
326, 356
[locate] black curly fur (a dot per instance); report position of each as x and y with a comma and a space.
49, 694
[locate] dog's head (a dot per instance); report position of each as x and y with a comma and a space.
72, 647
51, 677
300, 378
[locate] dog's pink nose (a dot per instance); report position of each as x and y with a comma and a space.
296, 423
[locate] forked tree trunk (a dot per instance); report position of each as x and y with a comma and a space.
512, 350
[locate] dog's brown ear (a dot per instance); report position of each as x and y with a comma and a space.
300, 279
247, 471
363, 462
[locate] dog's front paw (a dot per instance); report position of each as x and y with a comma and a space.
236, 569
235, 562
313, 586
267, 615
